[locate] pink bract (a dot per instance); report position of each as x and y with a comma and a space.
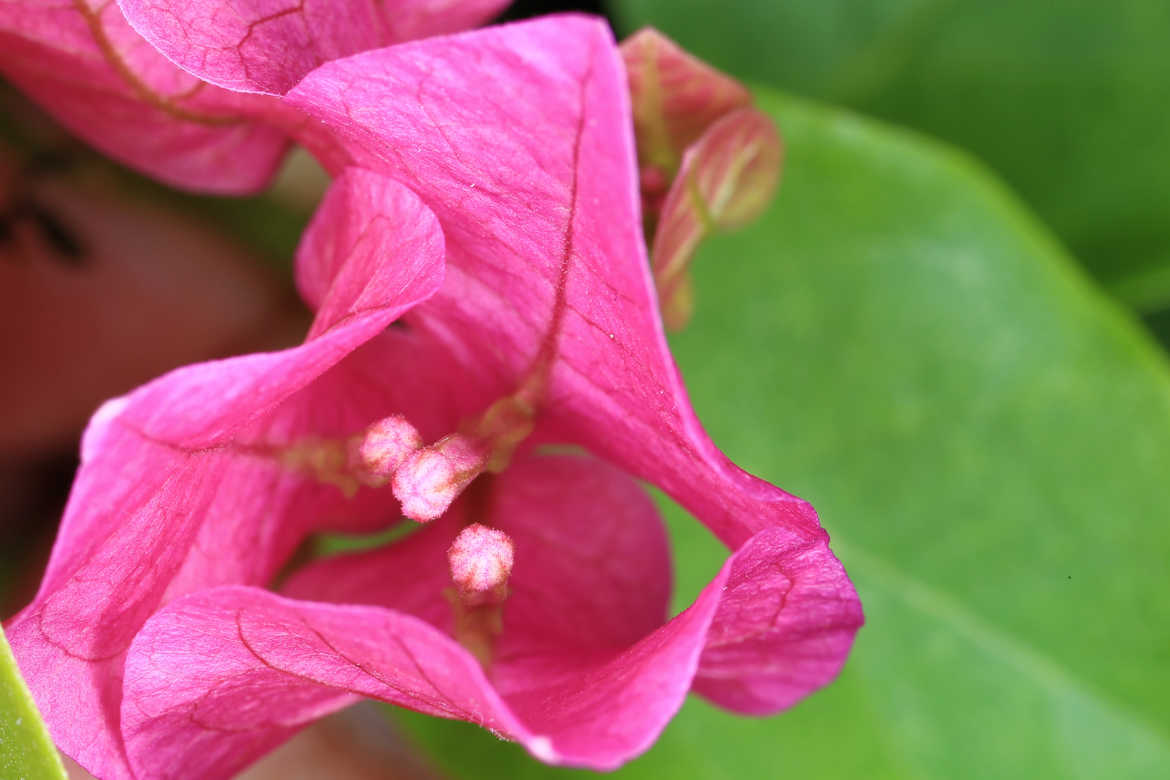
153, 646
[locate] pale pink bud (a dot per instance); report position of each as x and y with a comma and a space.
432, 477
480, 560
384, 446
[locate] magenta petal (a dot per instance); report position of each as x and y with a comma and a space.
267, 46
85, 65
592, 564
219, 677
216, 678
586, 675
751, 642
176, 489
786, 621
519, 138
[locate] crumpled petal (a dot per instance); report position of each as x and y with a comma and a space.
267, 46
82, 62
216, 678
179, 489
546, 262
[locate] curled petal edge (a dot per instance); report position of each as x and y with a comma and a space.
199, 661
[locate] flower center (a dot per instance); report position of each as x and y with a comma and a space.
425, 479
481, 562
431, 477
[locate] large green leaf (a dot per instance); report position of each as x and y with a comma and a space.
26, 753
1070, 102
988, 440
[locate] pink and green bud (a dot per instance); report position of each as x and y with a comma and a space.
727, 179
675, 98
708, 160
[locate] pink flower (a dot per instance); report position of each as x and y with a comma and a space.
154, 647
85, 63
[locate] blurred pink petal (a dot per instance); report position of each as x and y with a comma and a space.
268, 46
142, 289
82, 63
159, 110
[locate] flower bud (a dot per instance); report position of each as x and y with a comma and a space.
429, 479
383, 447
481, 561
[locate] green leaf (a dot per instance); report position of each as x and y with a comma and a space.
1070, 103
26, 752
987, 438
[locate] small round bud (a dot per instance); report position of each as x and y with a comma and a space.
384, 446
480, 560
429, 479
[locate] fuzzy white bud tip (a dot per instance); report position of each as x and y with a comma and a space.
385, 445
480, 559
431, 478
